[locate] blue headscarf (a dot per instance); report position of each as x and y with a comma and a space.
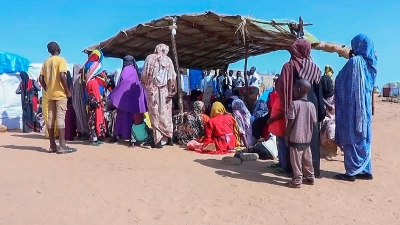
364, 48
353, 91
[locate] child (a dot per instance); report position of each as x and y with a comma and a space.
301, 121
141, 134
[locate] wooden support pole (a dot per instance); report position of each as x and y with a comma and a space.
246, 82
178, 72
373, 102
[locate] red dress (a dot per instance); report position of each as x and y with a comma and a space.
220, 130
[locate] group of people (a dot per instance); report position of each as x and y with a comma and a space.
139, 107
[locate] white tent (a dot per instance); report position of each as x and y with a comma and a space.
391, 89
10, 103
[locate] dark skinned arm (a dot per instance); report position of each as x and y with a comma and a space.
64, 83
42, 82
288, 130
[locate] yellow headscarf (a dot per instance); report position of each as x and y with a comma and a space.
218, 108
329, 71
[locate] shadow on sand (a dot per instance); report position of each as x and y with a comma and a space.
30, 136
255, 171
25, 148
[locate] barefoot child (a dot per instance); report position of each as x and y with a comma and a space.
302, 120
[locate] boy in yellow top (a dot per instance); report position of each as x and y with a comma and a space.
53, 78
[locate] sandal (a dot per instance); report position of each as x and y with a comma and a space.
95, 143
276, 165
345, 177
280, 170
67, 150
364, 176
292, 185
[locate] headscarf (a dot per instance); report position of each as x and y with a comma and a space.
93, 66
260, 109
300, 62
328, 89
242, 116
158, 67
198, 107
354, 85
329, 71
216, 109
363, 46
24, 80
130, 60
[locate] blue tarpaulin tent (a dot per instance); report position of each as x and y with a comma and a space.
10, 63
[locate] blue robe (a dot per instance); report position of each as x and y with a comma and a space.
353, 107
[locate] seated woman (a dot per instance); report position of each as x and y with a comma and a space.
141, 134
221, 133
242, 116
193, 124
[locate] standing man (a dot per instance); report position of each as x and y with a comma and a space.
254, 78
239, 82
53, 78
207, 87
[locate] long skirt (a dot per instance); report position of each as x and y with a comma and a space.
357, 158
160, 112
45, 103
80, 108
123, 124
70, 124
96, 128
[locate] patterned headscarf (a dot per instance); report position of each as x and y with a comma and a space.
198, 107
301, 60
158, 67
241, 114
260, 109
93, 66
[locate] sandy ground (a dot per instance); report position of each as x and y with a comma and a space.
116, 185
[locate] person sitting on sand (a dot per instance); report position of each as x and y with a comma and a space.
302, 118
221, 133
141, 134
193, 125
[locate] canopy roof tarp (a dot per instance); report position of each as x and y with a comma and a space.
209, 40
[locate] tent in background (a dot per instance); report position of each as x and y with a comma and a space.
10, 103
391, 89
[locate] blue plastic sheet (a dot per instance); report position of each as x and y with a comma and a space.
10, 63
195, 77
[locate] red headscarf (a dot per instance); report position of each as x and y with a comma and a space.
301, 61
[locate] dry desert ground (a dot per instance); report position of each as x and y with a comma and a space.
115, 185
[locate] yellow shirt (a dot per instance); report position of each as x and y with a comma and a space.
51, 70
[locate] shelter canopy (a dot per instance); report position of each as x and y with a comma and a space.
204, 41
